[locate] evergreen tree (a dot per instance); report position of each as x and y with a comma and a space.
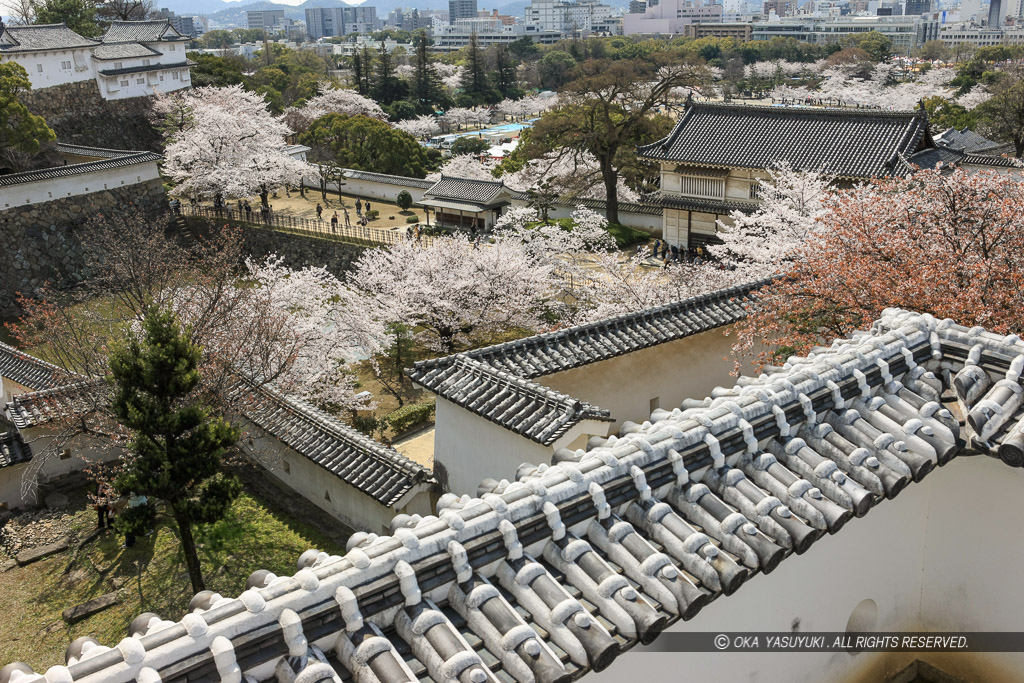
505, 73
427, 90
388, 87
476, 87
176, 448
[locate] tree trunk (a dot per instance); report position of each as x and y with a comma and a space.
611, 189
188, 546
265, 196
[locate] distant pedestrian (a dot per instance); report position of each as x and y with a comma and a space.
240, 208
101, 502
348, 223
334, 222
675, 253
248, 211
319, 212
367, 207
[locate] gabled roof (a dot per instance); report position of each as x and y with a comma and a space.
850, 143
42, 37
123, 51
380, 472
965, 140
562, 570
29, 371
13, 449
155, 31
473, 194
551, 352
125, 159
521, 406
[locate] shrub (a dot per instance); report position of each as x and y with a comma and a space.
626, 236
367, 424
371, 214
404, 200
409, 417
412, 219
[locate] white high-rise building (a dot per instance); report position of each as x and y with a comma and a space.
563, 16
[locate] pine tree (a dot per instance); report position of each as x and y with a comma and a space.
176, 448
427, 89
505, 73
475, 85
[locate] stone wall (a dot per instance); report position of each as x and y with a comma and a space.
80, 115
300, 251
40, 242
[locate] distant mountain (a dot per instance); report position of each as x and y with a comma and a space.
233, 14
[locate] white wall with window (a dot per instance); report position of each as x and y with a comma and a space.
49, 68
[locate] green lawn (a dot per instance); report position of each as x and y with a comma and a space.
150, 577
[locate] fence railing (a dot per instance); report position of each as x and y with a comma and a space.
310, 227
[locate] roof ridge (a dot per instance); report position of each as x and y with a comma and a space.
321, 418
798, 109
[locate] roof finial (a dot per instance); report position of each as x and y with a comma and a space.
689, 97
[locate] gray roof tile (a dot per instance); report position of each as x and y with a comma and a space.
141, 32
29, 371
572, 347
466, 190
561, 611
13, 449
389, 179
125, 159
524, 407
123, 51
847, 142
380, 472
42, 37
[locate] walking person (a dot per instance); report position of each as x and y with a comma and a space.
319, 212
248, 211
102, 505
348, 223
334, 223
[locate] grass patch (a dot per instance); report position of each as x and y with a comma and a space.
626, 236
151, 577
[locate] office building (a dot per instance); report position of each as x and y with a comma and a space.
461, 9
264, 20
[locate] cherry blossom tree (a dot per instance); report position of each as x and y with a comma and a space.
331, 101
766, 241
881, 89
939, 242
420, 127
465, 166
621, 285
453, 290
568, 177
450, 75
229, 145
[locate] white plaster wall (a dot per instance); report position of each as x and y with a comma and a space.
367, 188
83, 451
941, 556
83, 183
685, 368
125, 86
45, 69
9, 389
471, 449
347, 504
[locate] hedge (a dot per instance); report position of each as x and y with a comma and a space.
412, 219
411, 416
371, 214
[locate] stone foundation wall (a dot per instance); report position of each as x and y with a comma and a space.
79, 114
300, 251
40, 242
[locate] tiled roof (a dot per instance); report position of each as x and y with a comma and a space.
380, 472
141, 32
572, 347
560, 571
466, 190
144, 68
990, 160
849, 143
601, 205
97, 152
29, 371
41, 37
40, 407
524, 407
126, 159
669, 201
13, 449
123, 51
389, 179
965, 140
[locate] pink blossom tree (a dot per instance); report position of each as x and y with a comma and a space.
331, 101
765, 242
230, 145
453, 290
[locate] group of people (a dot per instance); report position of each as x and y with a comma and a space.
109, 505
672, 253
336, 219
